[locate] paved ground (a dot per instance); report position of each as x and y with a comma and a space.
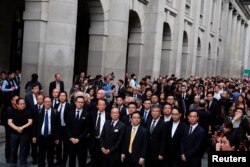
2, 157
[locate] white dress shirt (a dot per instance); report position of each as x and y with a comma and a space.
49, 116
34, 99
103, 119
174, 127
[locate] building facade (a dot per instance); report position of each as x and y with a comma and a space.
145, 37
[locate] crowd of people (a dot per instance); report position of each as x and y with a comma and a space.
152, 122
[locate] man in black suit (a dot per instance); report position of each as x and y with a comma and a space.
214, 108
120, 103
184, 100
56, 84
121, 89
126, 113
154, 156
77, 124
54, 97
135, 143
173, 133
146, 112
34, 112
63, 108
30, 99
45, 133
98, 118
111, 140
192, 141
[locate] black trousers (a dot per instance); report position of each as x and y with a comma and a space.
7, 144
112, 160
130, 162
46, 150
77, 150
62, 149
95, 152
20, 141
153, 162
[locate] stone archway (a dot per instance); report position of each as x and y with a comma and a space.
90, 37
134, 46
184, 57
209, 61
11, 34
166, 50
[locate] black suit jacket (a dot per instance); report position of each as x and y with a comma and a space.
125, 118
143, 122
77, 128
139, 146
93, 118
67, 109
52, 86
214, 109
155, 140
29, 101
171, 147
192, 146
112, 137
38, 123
122, 92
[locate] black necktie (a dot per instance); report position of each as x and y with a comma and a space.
152, 127
39, 107
46, 124
98, 124
77, 115
190, 130
112, 125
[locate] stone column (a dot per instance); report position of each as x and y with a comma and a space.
151, 57
49, 40
227, 43
34, 40
223, 33
116, 42
178, 38
233, 44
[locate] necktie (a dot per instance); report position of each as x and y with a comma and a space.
39, 107
145, 115
119, 107
152, 127
46, 124
190, 130
132, 137
112, 125
77, 115
98, 124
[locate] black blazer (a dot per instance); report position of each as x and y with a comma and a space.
192, 146
214, 109
139, 146
122, 92
38, 123
77, 129
125, 118
93, 121
155, 140
172, 145
149, 117
67, 109
111, 138
52, 86
29, 101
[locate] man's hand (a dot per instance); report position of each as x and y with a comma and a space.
57, 141
183, 158
19, 129
72, 140
160, 157
141, 161
34, 140
76, 141
123, 157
